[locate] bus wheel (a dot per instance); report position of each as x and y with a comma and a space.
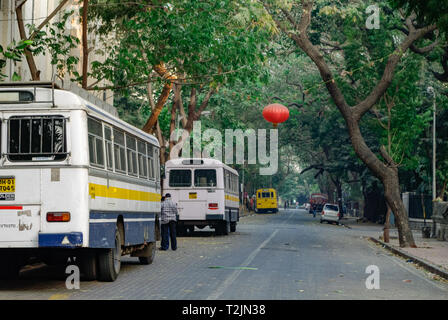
89, 266
223, 228
232, 226
226, 228
181, 230
109, 261
148, 254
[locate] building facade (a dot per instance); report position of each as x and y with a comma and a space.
35, 12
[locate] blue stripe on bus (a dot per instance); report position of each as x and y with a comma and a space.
138, 228
60, 240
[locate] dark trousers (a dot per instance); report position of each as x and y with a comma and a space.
169, 232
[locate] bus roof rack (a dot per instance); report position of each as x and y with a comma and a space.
63, 84
38, 84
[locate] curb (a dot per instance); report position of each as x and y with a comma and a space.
426, 265
245, 214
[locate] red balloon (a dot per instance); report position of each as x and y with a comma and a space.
276, 113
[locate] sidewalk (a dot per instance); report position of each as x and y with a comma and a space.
430, 254
244, 212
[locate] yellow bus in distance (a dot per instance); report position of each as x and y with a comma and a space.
266, 200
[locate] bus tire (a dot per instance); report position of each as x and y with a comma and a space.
223, 228
233, 226
89, 267
148, 254
181, 230
109, 261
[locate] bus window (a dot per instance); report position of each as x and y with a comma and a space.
142, 163
108, 139
265, 195
180, 178
132, 155
96, 151
205, 178
16, 96
36, 138
151, 162
157, 163
119, 151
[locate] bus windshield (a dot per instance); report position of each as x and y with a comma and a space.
180, 178
205, 178
265, 195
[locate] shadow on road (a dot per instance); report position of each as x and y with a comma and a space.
45, 277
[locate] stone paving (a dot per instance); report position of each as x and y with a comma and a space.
429, 249
284, 256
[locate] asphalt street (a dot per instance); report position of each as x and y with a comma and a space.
283, 256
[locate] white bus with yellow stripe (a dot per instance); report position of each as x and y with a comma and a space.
75, 181
206, 193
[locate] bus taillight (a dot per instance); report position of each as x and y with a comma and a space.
213, 206
58, 216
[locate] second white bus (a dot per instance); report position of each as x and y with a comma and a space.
206, 193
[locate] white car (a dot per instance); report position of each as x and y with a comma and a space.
330, 213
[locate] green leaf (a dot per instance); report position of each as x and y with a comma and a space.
16, 77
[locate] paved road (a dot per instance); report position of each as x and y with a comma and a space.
282, 256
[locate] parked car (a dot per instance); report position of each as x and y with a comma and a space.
330, 213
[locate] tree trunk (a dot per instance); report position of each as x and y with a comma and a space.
85, 46
388, 175
442, 192
158, 130
163, 72
194, 114
387, 226
35, 73
393, 198
177, 92
338, 185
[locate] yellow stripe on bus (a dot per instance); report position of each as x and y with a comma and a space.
98, 190
231, 198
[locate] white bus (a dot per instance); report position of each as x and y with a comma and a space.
75, 181
206, 193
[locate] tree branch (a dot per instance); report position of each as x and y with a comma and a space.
52, 14
163, 72
361, 108
35, 73
85, 51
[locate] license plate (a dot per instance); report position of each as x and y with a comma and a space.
193, 195
7, 184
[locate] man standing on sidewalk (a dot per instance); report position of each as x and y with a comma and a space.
168, 217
